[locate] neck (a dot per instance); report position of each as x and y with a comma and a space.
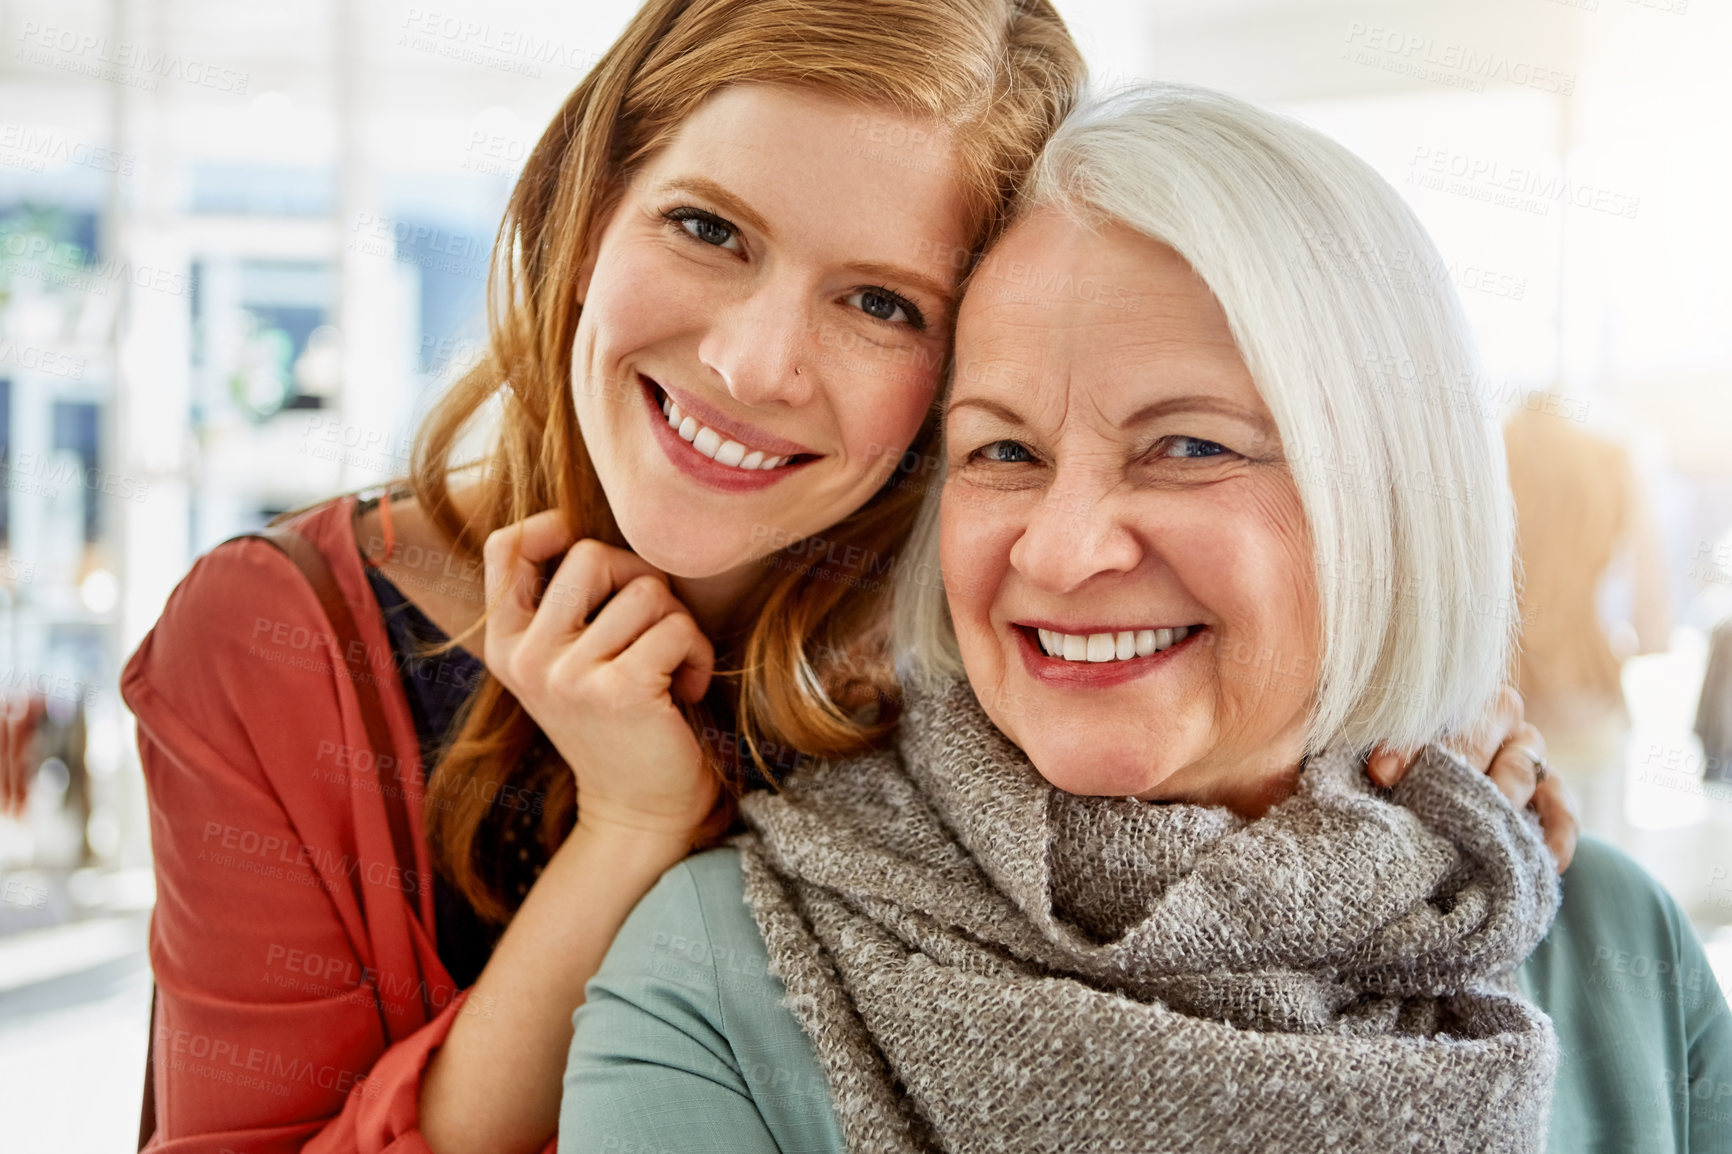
1259, 795
1250, 787
724, 604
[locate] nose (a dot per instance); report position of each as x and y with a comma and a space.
1074, 535
757, 345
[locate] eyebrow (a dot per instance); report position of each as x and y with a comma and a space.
1198, 403
944, 294
1193, 404
1001, 411
704, 186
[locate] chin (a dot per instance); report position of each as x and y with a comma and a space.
692, 560
1098, 774
660, 525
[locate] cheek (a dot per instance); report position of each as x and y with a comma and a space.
1248, 560
974, 552
620, 317
879, 411
1285, 577
974, 549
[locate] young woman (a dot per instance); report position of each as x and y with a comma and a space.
721, 313
756, 210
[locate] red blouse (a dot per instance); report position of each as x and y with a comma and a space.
299, 987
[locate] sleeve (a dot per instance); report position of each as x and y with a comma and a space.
652, 1068
1644, 1030
269, 1034
1708, 1033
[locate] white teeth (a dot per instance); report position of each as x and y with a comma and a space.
713, 445
1101, 647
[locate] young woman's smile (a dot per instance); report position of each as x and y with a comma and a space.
718, 452
793, 341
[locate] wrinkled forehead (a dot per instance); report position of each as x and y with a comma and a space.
1059, 307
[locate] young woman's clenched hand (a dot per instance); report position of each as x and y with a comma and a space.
601, 659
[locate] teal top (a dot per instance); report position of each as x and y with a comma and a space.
683, 1044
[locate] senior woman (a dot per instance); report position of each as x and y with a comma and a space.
1122, 884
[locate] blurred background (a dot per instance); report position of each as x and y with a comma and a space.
242, 246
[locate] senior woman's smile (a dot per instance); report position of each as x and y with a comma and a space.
1140, 616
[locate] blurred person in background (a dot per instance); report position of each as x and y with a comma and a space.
1581, 516
20, 713
1714, 707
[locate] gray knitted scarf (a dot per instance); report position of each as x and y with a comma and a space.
986, 963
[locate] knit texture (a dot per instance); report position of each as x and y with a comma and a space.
986, 963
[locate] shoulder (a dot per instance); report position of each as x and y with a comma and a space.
241, 674
1637, 1008
241, 599
694, 939
222, 586
1620, 938
694, 912
242, 592
715, 875
1605, 888
688, 954
682, 1042
1615, 915
695, 883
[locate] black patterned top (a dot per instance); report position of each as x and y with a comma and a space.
437, 687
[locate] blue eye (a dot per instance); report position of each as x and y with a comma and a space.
1192, 448
884, 305
1006, 452
706, 227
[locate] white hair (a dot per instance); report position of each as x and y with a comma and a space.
1347, 321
